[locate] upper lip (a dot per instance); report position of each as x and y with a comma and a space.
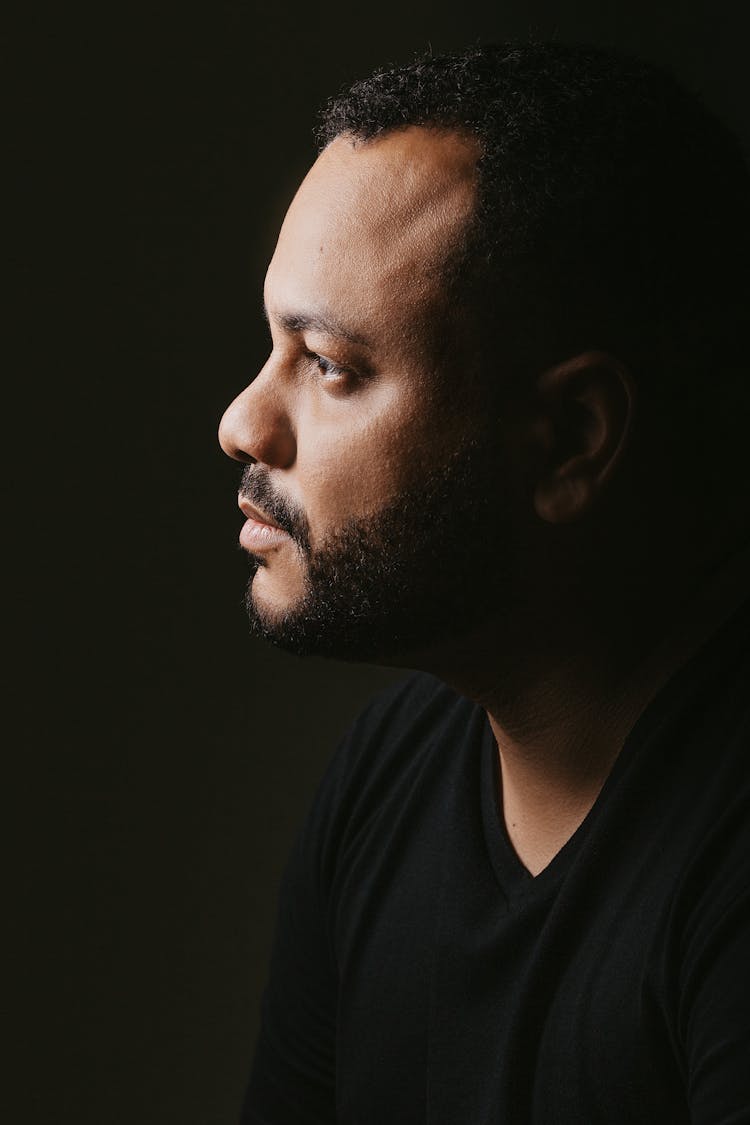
254, 513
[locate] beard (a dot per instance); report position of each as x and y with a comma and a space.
429, 566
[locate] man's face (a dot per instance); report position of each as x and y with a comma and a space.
366, 441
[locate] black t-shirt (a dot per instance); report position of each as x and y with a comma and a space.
421, 975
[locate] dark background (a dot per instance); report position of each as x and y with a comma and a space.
160, 759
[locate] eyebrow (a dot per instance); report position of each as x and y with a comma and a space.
316, 322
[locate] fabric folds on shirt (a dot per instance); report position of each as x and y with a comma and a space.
421, 975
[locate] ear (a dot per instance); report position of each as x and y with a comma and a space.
585, 413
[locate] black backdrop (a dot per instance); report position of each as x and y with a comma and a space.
165, 758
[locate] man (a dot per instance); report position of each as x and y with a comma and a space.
501, 438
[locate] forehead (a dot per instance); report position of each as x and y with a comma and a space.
372, 224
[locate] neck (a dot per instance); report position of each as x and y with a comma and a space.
561, 708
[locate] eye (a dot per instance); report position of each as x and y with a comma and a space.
330, 371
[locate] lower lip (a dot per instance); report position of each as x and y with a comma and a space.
257, 536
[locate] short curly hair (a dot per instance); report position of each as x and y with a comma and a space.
613, 208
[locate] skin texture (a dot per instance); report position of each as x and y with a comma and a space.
363, 245
565, 646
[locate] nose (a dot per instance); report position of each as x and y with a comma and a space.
257, 426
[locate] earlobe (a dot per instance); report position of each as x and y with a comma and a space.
586, 407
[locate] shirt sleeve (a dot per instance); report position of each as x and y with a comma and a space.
716, 1005
293, 1077
293, 1074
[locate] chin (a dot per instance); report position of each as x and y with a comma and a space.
273, 594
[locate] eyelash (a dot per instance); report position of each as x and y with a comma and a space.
327, 367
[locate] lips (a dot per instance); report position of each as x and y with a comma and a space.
256, 514
259, 532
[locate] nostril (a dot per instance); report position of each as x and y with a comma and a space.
256, 427
231, 439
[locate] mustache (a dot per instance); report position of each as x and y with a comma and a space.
256, 486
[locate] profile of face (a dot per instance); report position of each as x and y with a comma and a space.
374, 479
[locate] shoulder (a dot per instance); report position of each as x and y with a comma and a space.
418, 705
390, 763
403, 725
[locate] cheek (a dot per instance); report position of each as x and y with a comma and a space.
354, 468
